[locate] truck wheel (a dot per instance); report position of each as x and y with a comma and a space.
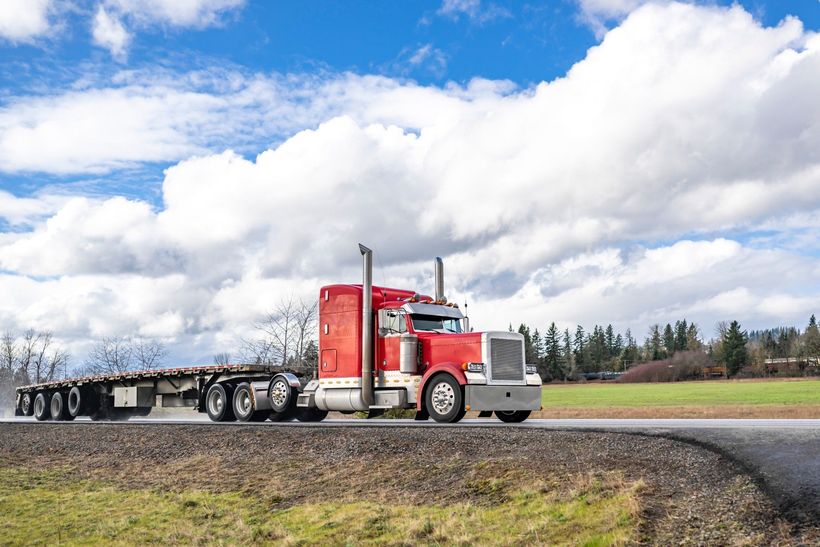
243, 407
311, 414
27, 404
512, 416
42, 412
76, 401
59, 408
282, 399
444, 400
218, 403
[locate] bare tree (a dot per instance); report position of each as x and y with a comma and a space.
305, 328
113, 355
222, 359
283, 335
148, 354
32, 358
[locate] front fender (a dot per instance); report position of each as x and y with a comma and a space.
453, 369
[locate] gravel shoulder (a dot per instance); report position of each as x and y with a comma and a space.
689, 494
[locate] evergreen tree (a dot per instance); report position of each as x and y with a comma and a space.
610, 343
811, 341
681, 341
669, 340
566, 354
693, 337
537, 348
579, 349
528, 349
654, 344
733, 349
552, 353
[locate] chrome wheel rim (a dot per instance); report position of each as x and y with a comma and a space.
244, 406
25, 404
279, 394
444, 398
39, 406
215, 402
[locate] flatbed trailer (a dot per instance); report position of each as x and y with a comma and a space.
134, 393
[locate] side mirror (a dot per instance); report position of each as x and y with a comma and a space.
383, 332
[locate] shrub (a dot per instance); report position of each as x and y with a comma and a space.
683, 365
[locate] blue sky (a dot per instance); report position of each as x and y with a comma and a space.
171, 170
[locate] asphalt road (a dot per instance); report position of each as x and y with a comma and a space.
782, 456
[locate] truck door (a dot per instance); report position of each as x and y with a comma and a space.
392, 323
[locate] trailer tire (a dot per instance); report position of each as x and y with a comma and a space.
42, 402
76, 401
27, 404
59, 408
310, 414
444, 399
244, 407
512, 416
219, 403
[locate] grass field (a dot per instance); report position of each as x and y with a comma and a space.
718, 398
48, 507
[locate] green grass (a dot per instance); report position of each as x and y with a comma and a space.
48, 507
711, 393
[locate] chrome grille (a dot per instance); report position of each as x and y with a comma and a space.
506, 360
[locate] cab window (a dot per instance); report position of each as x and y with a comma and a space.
392, 322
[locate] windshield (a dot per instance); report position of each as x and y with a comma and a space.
434, 323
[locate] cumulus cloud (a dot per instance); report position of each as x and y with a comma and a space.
600, 196
109, 32
599, 13
22, 21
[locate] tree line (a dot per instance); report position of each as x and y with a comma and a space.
567, 354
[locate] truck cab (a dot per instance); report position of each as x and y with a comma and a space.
422, 355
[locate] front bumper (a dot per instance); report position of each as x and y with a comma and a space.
499, 397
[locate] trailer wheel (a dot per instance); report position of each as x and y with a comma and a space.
310, 414
27, 404
59, 408
512, 416
444, 399
243, 405
76, 402
41, 406
218, 403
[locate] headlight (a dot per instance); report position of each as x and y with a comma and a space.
532, 369
473, 367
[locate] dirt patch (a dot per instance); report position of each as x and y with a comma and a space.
689, 494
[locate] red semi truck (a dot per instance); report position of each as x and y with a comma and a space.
379, 349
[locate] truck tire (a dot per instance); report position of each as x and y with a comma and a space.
310, 414
444, 399
42, 403
282, 399
59, 408
512, 416
243, 405
27, 404
219, 403
76, 401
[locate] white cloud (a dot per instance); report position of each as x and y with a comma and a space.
178, 13
598, 13
24, 20
561, 202
109, 32
474, 10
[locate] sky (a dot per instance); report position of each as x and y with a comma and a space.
174, 168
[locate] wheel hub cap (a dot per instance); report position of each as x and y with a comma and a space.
444, 398
279, 394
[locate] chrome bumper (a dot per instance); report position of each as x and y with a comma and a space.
494, 397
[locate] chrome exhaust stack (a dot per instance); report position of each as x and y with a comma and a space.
367, 326
440, 280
